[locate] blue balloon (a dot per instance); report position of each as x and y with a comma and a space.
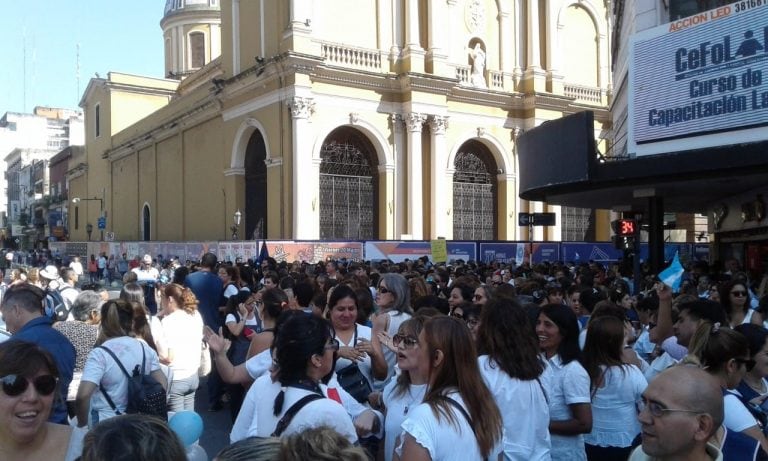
188, 425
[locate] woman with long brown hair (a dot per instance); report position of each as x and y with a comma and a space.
616, 389
183, 329
101, 370
459, 419
511, 367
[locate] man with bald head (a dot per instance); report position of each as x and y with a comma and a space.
682, 409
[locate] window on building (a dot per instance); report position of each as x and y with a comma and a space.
97, 119
197, 49
474, 193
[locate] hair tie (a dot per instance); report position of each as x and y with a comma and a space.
715, 327
283, 304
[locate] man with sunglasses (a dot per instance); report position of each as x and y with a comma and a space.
680, 412
22, 311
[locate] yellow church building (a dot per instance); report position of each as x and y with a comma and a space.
341, 119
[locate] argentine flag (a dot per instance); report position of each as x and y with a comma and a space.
673, 275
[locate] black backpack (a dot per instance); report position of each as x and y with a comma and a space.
56, 307
145, 394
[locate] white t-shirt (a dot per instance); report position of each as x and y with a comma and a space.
321, 412
363, 332
395, 320
184, 338
100, 368
150, 275
566, 385
514, 397
248, 322
737, 417
77, 267
398, 407
259, 364
658, 365
444, 441
614, 407
246, 417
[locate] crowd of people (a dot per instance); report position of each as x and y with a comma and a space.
393, 361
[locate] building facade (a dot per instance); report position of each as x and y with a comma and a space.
28, 142
349, 119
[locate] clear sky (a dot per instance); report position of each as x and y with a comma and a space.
114, 35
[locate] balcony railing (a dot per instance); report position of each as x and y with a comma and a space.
349, 56
497, 80
463, 73
583, 93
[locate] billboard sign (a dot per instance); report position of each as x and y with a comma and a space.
693, 82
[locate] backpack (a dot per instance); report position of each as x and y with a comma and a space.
56, 307
146, 395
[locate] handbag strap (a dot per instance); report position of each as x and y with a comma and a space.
295, 408
461, 409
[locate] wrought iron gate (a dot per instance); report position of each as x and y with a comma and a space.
474, 198
347, 192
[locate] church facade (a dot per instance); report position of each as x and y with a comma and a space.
342, 119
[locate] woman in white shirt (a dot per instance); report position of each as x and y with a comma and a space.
355, 345
566, 382
459, 419
393, 297
304, 351
616, 391
117, 319
408, 390
183, 330
512, 368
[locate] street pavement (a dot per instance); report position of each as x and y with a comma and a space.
216, 425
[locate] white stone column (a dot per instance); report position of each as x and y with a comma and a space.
305, 178
436, 30
439, 203
414, 123
507, 44
236, 36
399, 199
534, 75
414, 53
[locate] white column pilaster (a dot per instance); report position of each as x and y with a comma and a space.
306, 189
414, 124
440, 208
236, 36
399, 202
534, 74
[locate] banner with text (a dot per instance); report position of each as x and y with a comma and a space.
694, 80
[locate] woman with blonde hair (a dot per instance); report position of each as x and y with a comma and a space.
183, 331
102, 371
33, 277
458, 419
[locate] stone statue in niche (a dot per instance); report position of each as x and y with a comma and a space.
478, 66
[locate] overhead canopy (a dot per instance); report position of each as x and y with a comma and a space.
560, 165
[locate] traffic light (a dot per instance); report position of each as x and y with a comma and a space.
626, 234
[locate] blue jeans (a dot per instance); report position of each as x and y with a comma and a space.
182, 393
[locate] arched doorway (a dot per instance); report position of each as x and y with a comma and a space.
145, 223
255, 188
474, 193
348, 186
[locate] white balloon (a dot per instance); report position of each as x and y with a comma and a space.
196, 453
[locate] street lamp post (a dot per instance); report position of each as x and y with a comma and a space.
101, 214
236, 225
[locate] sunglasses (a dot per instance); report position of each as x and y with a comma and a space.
749, 363
739, 294
383, 290
408, 342
14, 385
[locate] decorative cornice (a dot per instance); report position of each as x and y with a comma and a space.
301, 108
234, 172
438, 124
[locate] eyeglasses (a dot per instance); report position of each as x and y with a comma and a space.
739, 294
333, 345
408, 342
657, 410
383, 290
749, 363
14, 385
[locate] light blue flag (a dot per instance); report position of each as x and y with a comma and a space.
673, 275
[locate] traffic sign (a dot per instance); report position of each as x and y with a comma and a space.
102, 223
524, 219
536, 219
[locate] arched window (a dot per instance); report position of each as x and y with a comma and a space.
255, 188
474, 193
348, 186
145, 223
